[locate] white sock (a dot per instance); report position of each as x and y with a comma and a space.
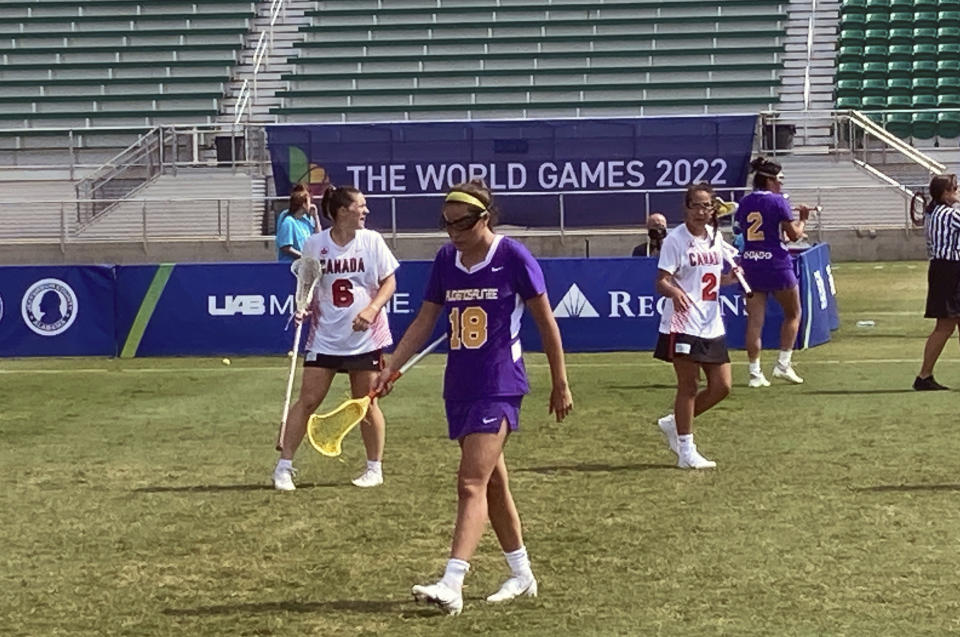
519, 563
375, 466
284, 464
783, 360
755, 367
685, 443
453, 576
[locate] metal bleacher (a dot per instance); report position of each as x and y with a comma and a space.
431, 59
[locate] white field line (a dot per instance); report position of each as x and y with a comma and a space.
282, 368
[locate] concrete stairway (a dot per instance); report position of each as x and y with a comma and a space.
184, 206
285, 33
850, 196
809, 58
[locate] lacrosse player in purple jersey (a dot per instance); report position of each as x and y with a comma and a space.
764, 216
481, 282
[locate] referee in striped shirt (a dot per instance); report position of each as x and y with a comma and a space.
942, 223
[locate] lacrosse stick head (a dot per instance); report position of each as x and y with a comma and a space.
308, 273
327, 431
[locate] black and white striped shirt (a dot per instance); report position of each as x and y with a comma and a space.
943, 233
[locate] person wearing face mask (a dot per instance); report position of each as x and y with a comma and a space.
656, 233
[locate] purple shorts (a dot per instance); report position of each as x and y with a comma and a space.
483, 416
770, 279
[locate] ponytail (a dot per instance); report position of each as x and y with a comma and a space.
335, 198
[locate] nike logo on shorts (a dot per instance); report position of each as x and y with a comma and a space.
496, 269
488, 421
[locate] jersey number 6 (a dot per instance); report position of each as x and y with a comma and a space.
468, 328
342, 293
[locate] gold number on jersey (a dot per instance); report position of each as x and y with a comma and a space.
468, 328
754, 233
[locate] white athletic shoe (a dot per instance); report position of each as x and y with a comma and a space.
515, 587
668, 426
446, 599
369, 479
693, 460
759, 380
787, 374
283, 479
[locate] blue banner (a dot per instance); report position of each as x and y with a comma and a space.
601, 304
541, 158
57, 311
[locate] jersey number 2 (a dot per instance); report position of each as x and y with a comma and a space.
754, 233
709, 286
468, 328
342, 293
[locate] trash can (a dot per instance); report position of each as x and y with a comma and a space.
778, 137
226, 156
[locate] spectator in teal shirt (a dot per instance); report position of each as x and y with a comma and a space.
295, 224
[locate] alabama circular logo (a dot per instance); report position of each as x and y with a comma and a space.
49, 307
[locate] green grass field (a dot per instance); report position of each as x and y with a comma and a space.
136, 499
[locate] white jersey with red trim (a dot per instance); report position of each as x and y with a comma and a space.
350, 278
696, 265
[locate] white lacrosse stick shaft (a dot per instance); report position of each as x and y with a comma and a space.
728, 253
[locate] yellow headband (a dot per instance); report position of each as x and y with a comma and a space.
463, 197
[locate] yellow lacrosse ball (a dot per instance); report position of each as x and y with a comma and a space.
225, 361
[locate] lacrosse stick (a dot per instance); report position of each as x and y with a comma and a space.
327, 431
307, 270
729, 252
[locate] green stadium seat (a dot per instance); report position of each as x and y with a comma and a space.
924, 68
850, 54
949, 35
849, 71
849, 102
853, 6
901, 5
948, 51
949, 100
924, 52
949, 5
925, 19
900, 36
874, 53
874, 102
875, 70
924, 86
847, 88
948, 125
900, 124
949, 69
900, 102
899, 86
925, 34
875, 87
880, 37
877, 20
902, 52
875, 5
852, 21
948, 19
901, 69
924, 102
853, 37
924, 125
901, 20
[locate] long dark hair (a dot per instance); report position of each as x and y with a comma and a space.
335, 198
763, 170
939, 186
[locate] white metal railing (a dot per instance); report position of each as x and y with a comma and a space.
247, 97
811, 23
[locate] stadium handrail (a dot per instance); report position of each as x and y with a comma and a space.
265, 46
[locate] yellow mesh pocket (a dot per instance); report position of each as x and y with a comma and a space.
327, 431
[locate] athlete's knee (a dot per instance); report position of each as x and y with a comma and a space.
720, 388
471, 486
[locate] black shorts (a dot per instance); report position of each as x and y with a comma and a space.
943, 289
700, 350
371, 361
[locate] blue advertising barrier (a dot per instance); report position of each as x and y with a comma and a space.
545, 157
57, 311
605, 304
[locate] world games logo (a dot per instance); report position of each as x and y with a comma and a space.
49, 307
1, 308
